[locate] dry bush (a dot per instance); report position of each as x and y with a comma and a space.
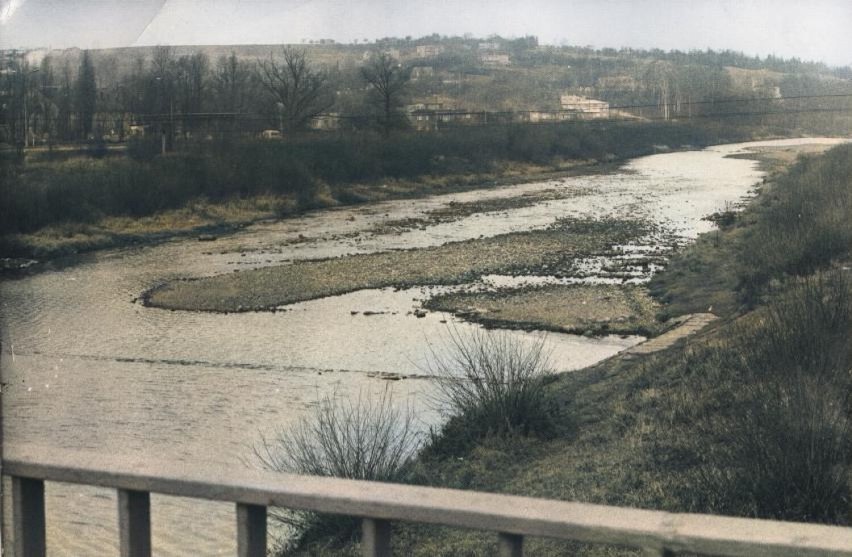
491, 383
361, 438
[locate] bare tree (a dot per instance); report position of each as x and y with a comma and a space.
86, 92
300, 91
191, 78
232, 81
659, 78
389, 81
160, 92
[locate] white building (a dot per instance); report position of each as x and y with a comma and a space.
494, 59
429, 50
590, 108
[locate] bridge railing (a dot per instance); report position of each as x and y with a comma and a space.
512, 518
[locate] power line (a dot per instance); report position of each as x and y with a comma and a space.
463, 112
738, 100
490, 119
606, 121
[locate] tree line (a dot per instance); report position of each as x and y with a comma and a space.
182, 94
173, 96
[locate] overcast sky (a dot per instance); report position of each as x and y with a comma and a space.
809, 29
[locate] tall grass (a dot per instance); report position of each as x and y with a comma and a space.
788, 456
767, 410
802, 225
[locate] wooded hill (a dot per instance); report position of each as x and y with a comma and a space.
461, 73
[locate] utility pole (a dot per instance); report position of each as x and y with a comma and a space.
26, 116
26, 81
171, 122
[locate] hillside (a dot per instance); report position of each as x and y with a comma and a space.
510, 74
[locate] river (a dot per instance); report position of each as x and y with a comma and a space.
88, 367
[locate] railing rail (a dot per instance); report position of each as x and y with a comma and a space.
512, 517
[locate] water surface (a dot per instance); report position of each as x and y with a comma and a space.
89, 368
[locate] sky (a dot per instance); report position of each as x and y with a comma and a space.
808, 29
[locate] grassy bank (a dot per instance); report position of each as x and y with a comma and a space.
52, 206
750, 418
798, 224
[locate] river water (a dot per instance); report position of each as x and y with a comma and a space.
87, 367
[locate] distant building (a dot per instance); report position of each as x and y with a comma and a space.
422, 119
452, 78
460, 117
270, 134
495, 59
588, 108
433, 116
326, 122
543, 116
421, 72
115, 126
429, 50
490, 45
429, 105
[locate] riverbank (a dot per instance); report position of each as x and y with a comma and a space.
747, 417
209, 219
54, 208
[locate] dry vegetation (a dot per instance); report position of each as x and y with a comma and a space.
750, 418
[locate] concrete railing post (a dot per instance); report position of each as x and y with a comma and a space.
510, 545
251, 531
134, 523
28, 517
376, 539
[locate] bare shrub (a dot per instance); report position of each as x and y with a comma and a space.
493, 383
361, 438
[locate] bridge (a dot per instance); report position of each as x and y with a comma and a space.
511, 518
